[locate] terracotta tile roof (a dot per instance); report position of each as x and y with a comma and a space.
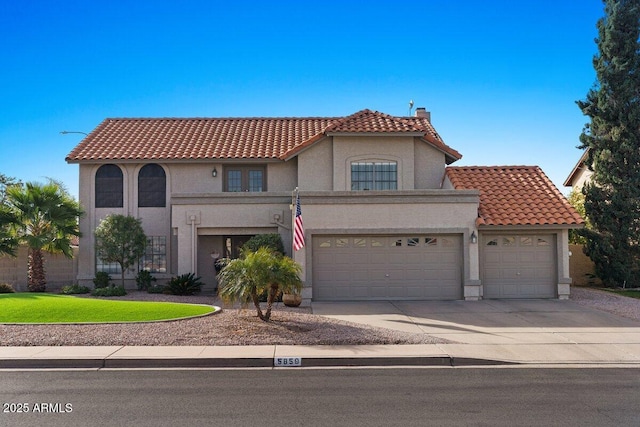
514, 195
234, 138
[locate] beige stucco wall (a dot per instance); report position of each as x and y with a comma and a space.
429, 165
348, 149
314, 167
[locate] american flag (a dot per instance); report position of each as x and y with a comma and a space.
298, 228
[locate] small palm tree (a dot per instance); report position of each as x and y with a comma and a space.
257, 272
46, 220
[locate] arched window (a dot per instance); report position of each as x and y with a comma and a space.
152, 187
109, 187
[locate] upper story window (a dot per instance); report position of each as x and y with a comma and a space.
152, 187
245, 178
109, 187
374, 176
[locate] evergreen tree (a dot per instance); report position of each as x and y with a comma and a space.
612, 138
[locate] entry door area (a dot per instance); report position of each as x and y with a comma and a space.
399, 267
519, 266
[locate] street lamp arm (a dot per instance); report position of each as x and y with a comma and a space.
64, 132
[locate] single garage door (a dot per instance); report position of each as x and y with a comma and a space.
387, 267
519, 266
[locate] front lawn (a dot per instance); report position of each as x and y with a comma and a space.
48, 308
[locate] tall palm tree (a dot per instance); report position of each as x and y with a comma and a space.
47, 220
257, 272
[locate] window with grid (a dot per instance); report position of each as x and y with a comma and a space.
152, 187
374, 176
245, 178
155, 256
109, 187
107, 267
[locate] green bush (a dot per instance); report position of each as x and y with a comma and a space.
155, 289
6, 288
185, 284
74, 289
109, 291
144, 279
271, 241
102, 280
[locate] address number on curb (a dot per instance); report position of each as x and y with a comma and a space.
287, 361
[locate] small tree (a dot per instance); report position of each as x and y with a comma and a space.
120, 239
256, 272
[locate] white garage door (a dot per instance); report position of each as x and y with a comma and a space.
519, 266
387, 267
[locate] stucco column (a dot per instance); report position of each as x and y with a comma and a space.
472, 284
564, 279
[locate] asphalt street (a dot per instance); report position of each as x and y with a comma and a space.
322, 397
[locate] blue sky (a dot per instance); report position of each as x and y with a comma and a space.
500, 77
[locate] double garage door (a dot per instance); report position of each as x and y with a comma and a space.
416, 267
519, 266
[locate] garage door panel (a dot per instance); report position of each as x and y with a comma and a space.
387, 267
518, 266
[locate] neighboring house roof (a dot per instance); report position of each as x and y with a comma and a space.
514, 195
236, 138
578, 169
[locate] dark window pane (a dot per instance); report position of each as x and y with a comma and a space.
109, 187
152, 187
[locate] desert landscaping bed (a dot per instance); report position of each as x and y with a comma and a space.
232, 326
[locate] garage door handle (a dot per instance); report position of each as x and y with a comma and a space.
386, 275
518, 273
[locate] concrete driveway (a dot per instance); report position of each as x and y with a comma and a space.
492, 322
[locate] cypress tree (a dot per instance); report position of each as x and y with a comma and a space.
612, 138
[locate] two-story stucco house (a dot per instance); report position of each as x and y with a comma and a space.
384, 215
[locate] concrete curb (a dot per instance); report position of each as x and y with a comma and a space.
199, 362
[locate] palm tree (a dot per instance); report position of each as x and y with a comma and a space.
46, 220
258, 272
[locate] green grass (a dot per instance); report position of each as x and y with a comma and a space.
631, 293
48, 308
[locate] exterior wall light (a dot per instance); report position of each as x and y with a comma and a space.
473, 237
214, 172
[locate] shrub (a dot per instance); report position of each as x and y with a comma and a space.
155, 289
6, 288
144, 279
271, 241
102, 280
109, 291
74, 289
185, 284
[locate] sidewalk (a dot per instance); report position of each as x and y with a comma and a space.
538, 332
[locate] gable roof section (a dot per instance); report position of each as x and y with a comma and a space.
577, 169
235, 138
514, 195
367, 121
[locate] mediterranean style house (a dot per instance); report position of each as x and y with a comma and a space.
385, 217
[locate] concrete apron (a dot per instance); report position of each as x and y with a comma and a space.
521, 331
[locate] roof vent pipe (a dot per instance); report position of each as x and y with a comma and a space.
422, 112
